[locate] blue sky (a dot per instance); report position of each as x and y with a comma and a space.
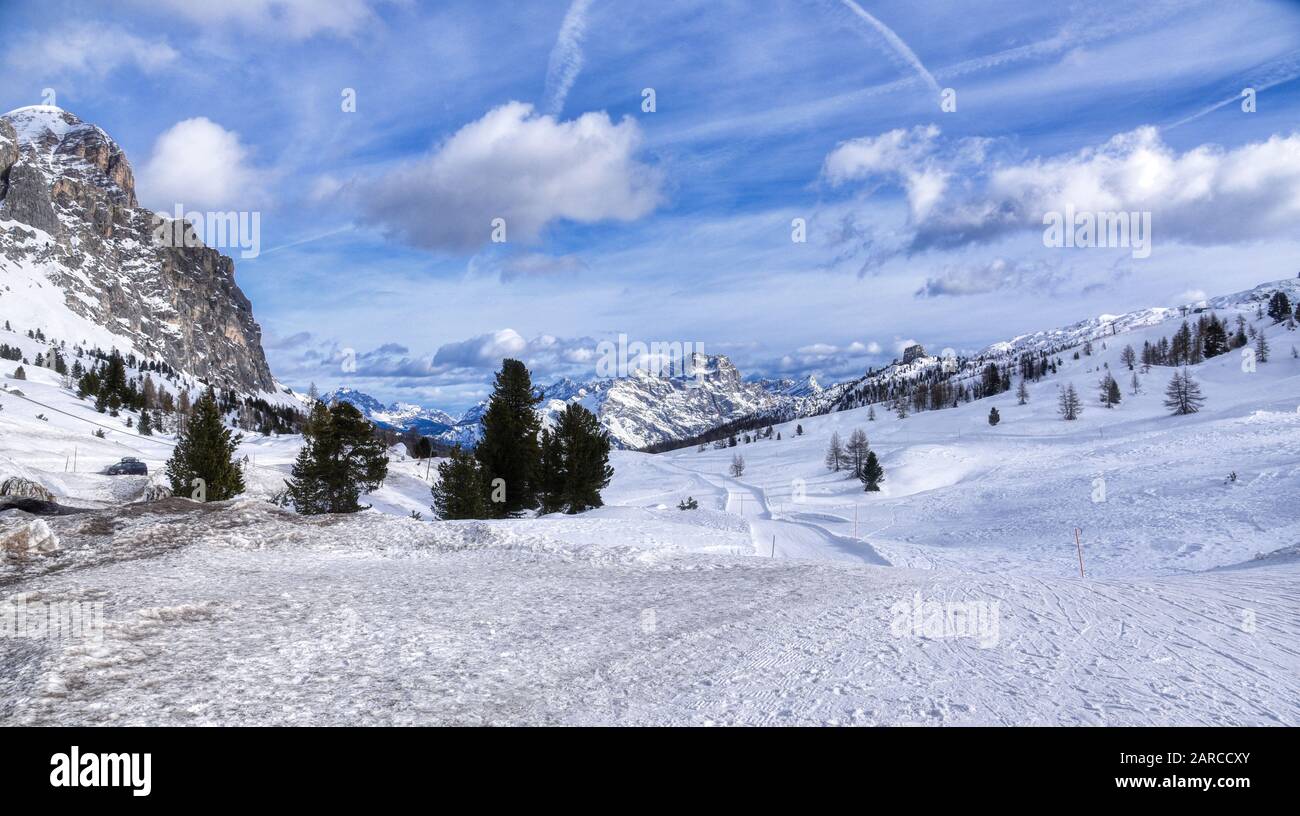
923, 224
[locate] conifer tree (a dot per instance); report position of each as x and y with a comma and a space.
1128, 356
1183, 394
856, 452
1110, 394
872, 473
146, 424
737, 468
340, 459
994, 416
462, 489
574, 465
1069, 405
205, 451
510, 448
1022, 393
1279, 307
834, 452
1261, 348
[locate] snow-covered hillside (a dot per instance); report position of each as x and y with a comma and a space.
953, 596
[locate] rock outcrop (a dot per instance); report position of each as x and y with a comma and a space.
69, 215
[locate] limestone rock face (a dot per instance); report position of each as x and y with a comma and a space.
69, 219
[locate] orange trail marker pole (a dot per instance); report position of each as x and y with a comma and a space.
1079, 546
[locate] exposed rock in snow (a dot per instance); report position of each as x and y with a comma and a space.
18, 486
23, 536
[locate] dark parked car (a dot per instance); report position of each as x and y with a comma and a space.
130, 466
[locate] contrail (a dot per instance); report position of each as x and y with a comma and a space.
1282, 71
308, 240
909, 56
566, 57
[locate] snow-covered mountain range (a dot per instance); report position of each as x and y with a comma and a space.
643, 409
637, 410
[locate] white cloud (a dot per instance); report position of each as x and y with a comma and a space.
92, 48
997, 274
297, 19
484, 351
200, 164
513, 164
905, 155
1205, 196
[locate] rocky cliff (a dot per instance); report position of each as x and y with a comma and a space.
78, 259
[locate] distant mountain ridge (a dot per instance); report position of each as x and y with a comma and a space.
643, 409
638, 410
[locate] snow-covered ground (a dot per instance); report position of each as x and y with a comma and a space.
790, 596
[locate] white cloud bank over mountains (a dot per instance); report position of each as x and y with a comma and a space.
1205, 196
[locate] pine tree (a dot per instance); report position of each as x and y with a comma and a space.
1183, 394
1128, 356
871, 413
737, 468
205, 451
834, 452
1069, 404
1110, 394
510, 448
1022, 393
798, 430
574, 465
856, 451
1279, 307
19, 373
113, 383
1215, 338
1134, 386
462, 488
872, 473
340, 459
900, 408
994, 416
1261, 348
146, 425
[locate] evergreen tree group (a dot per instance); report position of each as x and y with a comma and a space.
519, 466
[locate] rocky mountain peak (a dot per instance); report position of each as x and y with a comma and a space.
71, 223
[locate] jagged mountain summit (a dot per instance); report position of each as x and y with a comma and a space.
637, 410
397, 415
79, 260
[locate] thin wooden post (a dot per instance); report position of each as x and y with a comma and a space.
1079, 546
